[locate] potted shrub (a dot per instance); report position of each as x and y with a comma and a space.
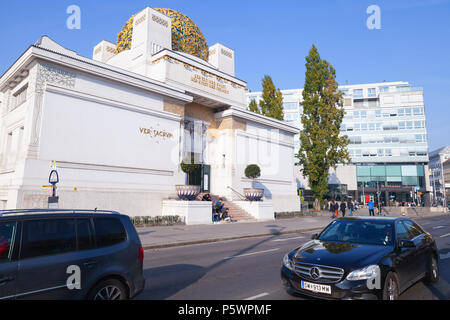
253, 172
188, 192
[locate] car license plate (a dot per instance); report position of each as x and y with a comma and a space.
318, 288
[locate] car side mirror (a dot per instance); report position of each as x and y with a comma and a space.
315, 236
406, 244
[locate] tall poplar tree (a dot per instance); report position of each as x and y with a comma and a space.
271, 104
321, 146
253, 106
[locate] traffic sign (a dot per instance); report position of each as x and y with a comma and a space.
53, 178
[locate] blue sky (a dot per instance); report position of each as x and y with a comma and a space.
273, 37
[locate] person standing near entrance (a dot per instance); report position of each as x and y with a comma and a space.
371, 207
334, 207
343, 207
350, 208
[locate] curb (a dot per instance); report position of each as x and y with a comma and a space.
188, 243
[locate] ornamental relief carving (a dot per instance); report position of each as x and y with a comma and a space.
46, 74
49, 74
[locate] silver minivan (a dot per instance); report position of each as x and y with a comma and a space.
69, 254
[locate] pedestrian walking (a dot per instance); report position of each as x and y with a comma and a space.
371, 207
343, 207
350, 208
334, 207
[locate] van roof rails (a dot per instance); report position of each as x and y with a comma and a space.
74, 211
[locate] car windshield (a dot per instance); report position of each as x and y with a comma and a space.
359, 232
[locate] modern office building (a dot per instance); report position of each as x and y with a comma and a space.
446, 170
437, 176
386, 125
117, 125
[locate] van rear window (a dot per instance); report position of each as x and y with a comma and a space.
109, 231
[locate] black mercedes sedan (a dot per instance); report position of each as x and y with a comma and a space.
362, 258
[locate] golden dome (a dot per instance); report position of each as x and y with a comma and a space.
186, 35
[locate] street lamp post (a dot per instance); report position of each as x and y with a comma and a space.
434, 186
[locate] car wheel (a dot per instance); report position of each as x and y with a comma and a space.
433, 273
110, 289
391, 288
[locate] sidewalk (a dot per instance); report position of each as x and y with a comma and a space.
165, 237
173, 236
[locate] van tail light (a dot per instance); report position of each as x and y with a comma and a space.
141, 255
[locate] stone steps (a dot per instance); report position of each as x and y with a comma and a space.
237, 213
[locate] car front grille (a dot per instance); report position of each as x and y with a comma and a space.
322, 274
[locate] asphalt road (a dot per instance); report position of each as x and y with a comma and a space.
250, 269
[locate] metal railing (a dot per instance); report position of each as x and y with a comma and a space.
239, 194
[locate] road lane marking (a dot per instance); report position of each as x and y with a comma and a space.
287, 239
438, 227
249, 254
445, 235
258, 296
445, 256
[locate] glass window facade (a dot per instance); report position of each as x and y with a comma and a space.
391, 175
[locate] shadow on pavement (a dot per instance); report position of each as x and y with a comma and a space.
174, 278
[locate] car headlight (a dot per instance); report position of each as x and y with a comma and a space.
287, 262
368, 272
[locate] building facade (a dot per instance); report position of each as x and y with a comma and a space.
118, 125
386, 125
437, 175
446, 170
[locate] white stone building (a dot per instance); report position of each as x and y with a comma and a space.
118, 126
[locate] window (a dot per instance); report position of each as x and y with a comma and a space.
372, 92
384, 89
401, 112
356, 114
355, 140
402, 125
378, 113
85, 234
109, 232
408, 112
357, 93
420, 138
401, 231
20, 96
363, 126
291, 116
290, 105
412, 229
371, 126
363, 114
419, 124
7, 233
47, 237
418, 111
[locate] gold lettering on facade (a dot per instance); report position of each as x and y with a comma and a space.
141, 19
209, 83
227, 53
154, 133
160, 21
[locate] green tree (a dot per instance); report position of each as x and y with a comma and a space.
321, 146
272, 100
253, 106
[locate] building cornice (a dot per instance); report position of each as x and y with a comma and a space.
89, 66
169, 54
254, 117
